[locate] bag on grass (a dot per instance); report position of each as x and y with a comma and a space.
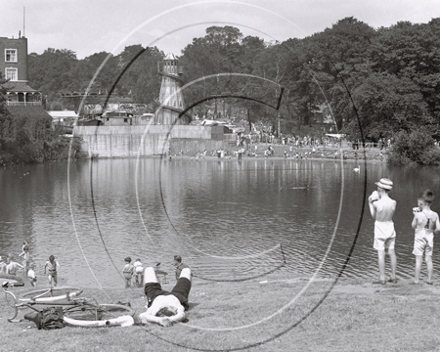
48, 318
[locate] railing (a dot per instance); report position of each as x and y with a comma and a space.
23, 103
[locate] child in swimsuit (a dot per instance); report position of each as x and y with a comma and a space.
13, 266
25, 254
52, 268
3, 266
127, 272
139, 272
31, 276
425, 223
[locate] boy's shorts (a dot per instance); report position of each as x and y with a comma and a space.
384, 235
423, 243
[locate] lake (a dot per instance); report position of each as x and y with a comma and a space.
228, 219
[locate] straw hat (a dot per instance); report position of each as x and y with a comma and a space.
385, 183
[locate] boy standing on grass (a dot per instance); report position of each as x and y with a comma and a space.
127, 272
31, 275
425, 223
139, 272
382, 209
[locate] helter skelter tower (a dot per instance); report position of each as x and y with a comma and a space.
170, 97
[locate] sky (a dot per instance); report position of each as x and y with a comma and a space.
92, 26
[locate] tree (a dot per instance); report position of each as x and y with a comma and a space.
385, 105
53, 71
219, 51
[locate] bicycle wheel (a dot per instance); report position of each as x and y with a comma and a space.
94, 315
11, 306
51, 294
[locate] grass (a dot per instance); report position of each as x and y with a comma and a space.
355, 316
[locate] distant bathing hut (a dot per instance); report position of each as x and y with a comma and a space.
170, 96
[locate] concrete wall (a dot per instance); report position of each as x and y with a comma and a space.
129, 141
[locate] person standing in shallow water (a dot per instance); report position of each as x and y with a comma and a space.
26, 255
51, 268
382, 209
425, 223
13, 266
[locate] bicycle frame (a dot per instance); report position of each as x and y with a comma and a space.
72, 306
40, 295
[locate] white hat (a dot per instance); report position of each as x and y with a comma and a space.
385, 183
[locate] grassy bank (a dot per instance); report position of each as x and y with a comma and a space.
355, 316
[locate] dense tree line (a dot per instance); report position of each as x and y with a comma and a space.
374, 82
388, 79
59, 71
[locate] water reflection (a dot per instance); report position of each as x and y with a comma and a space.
228, 219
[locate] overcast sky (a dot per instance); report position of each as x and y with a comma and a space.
91, 26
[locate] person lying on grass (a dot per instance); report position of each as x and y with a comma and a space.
163, 307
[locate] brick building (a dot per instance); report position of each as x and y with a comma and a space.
14, 67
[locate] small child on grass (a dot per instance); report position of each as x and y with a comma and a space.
127, 272
31, 275
139, 272
425, 223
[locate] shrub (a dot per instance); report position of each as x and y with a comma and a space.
414, 147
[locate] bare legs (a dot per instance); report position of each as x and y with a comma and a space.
393, 261
419, 260
381, 262
428, 260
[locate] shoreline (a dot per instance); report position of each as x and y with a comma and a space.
343, 319
298, 154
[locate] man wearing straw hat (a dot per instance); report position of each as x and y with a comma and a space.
382, 209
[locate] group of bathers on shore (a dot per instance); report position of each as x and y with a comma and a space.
11, 267
425, 222
163, 307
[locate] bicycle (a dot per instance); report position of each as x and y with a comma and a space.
51, 294
77, 311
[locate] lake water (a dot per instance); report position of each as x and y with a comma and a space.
229, 219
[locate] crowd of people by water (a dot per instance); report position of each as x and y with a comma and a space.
425, 223
9, 268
